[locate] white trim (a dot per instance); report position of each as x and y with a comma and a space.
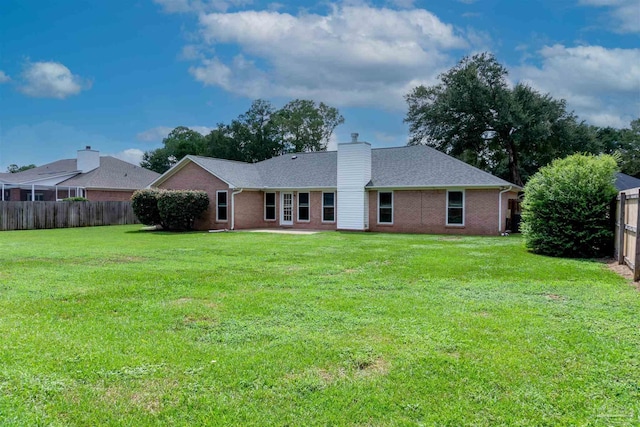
334, 207
464, 208
506, 190
282, 221
308, 206
275, 206
226, 205
392, 208
437, 187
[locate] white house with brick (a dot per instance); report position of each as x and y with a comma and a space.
411, 189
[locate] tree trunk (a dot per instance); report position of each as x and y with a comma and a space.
514, 167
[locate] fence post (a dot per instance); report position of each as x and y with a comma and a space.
621, 229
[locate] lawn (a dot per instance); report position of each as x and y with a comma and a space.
117, 326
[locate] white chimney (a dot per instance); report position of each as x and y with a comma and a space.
88, 160
354, 172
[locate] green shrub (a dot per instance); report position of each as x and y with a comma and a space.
179, 209
145, 206
566, 207
75, 199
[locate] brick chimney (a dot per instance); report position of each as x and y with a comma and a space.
88, 160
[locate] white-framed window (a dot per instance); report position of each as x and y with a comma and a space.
385, 207
328, 207
221, 205
303, 207
455, 207
269, 206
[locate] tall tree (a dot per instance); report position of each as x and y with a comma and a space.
254, 132
474, 115
180, 142
304, 126
625, 142
13, 168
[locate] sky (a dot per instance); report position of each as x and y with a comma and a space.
118, 75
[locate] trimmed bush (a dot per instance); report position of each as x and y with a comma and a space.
75, 199
179, 209
566, 207
145, 206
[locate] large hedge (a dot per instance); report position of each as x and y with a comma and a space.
145, 206
566, 207
172, 209
179, 209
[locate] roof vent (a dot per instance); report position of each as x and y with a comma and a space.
354, 137
88, 147
294, 157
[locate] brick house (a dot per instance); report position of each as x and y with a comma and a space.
95, 177
413, 189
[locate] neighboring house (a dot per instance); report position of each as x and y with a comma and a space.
89, 175
414, 189
626, 182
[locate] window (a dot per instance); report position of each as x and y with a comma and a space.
221, 210
303, 206
455, 208
328, 207
270, 206
385, 207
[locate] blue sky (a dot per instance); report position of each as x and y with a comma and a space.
119, 75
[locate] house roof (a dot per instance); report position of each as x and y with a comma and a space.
112, 174
50, 170
624, 182
423, 166
400, 167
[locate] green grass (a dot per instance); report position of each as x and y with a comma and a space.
113, 326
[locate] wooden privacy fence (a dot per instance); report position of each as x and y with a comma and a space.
37, 215
628, 231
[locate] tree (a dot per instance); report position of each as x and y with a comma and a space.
254, 133
474, 115
304, 126
13, 168
566, 207
625, 142
180, 142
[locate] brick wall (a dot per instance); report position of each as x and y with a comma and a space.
193, 177
106, 195
424, 211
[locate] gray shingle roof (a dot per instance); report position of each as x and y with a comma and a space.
300, 170
623, 182
236, 174
414, 166
60, 167
113, 173
422, 166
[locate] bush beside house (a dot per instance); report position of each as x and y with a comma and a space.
172, 209
566, 208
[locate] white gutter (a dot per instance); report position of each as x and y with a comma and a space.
500, 207
233, 208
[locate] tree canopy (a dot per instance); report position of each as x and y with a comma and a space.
259, 133
625, 142
13, 168
473, 114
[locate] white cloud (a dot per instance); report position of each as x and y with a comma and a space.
154, 134
625, 12
51, 80
3, 77
131, 155
355, 55
602, 85
183, 6
159, 133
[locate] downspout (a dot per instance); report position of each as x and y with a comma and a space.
3, 191
233, 208
500, 207
33, 192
